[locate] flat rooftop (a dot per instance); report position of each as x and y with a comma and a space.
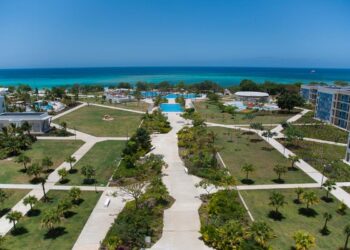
23, 116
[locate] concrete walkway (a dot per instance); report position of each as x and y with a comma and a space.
181, 221
117, 108
99, 222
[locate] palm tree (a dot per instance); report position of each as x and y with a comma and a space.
62, 173
327, 217
88, 171
50, 218
304, 240
43, 182
247, 168
260, 232
310, 198
277, 200
34, 169
30, 200
63, 206
75, 194
14, 217
24, 160
71, 160
47, 162
294, 159
3, 196
329, 185
347, 233
64, 126
26, 127
279, 170
299, 191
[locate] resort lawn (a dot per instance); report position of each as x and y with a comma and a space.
58, 150
134, 105
308, 118
295, 217
247, 147
324, 132
13, 197
90, 120
104, 157
211, 113
319, 154
30, 234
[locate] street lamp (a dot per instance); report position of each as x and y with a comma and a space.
326, 167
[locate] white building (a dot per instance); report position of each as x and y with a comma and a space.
39, 121
251, 96
118, 95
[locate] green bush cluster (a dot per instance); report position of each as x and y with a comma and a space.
181, 100
159, 100
14, 139
156, 122
224, 224
198, 151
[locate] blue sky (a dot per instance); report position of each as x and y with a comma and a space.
87, 33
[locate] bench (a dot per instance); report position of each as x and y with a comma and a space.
107, 201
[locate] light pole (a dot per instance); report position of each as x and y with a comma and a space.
326, 167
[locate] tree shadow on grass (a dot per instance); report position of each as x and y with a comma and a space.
4, 211
64, 181
269, 149
308, 212
256, 140
296, 201
22, 170
325, 231
247, 181
73, 171
293, 169
19, 231
327, 199
35, 180
33, 212
278, 181
55, 233
276, 216
69, 214
78, 202
89, 181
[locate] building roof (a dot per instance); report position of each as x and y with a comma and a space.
251, 94
22, 116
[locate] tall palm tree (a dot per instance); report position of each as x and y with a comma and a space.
299, 191
329, 185
14, 217
30, 200
75, 194
71, 159
310, 198
47, 163
50, 219
279, 170
347, 233
304, 240
34, 169
247, 168
327, 217
261, 232
26, 127
294, 159
277, 200
24, 159
43, 182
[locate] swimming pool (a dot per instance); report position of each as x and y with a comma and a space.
167, 107
150, 94
186, 96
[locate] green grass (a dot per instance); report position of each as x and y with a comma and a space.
211, 113
319, 154
58, 150
139, 106
308, 118
35, 237
90, 120
250, 148
104, 157
324, 132
13, 197
258, 201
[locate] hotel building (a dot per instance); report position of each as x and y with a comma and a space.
309, 93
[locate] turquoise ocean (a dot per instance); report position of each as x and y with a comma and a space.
225, 76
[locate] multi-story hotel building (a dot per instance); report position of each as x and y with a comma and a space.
309, 93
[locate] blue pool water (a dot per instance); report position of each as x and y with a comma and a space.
166, 107
186, 96
150, 94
